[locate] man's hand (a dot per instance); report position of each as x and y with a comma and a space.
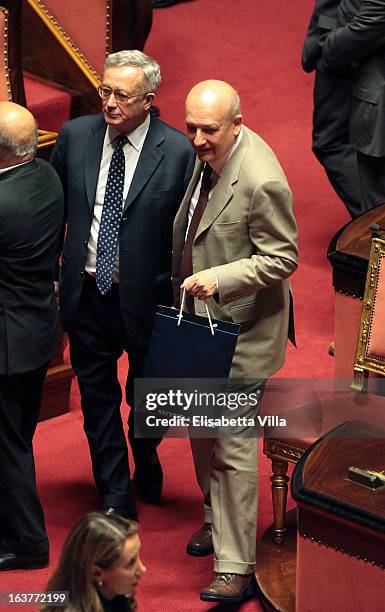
201, 285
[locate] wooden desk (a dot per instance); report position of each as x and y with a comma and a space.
341, 525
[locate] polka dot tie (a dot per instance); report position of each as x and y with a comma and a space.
110, 222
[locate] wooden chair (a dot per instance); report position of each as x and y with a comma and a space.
325, 414
66, 43
11, 73
281, 452
370, 352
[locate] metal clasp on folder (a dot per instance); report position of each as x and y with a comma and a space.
180, 315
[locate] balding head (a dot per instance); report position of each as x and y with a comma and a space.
215, 94
18, 134
213, 119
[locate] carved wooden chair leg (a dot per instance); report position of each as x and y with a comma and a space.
279, 490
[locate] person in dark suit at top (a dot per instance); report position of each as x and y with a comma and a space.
140, 23
359, 41
164, 3
332, 99
31, 218
124, 175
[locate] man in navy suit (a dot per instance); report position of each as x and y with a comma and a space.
108, 308
359, 42
31, 219
332, 99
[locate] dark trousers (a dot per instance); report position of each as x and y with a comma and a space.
372, 180
22, 528
332, 98
95, 346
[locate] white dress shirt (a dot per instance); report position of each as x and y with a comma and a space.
218, 166
132, 150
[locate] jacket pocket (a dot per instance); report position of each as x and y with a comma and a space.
267, 302
253, 311
365, 94
224, 228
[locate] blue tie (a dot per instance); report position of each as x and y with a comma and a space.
110, 221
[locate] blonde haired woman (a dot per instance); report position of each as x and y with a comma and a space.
99, 566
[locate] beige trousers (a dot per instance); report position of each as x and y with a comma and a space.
226, 470
227, 473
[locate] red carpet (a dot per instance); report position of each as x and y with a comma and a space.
256, 46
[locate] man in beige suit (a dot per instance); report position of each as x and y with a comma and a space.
242, 252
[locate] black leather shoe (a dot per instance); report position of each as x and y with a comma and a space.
231, 588
201, 542
148, 479
10, 561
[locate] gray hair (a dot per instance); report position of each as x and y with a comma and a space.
137, 59
12, 149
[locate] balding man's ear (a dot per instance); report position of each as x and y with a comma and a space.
237, 123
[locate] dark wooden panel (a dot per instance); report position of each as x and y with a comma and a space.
14, 50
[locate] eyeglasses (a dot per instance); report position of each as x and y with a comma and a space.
121, 97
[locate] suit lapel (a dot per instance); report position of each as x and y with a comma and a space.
223, 190
94, 149
180, 223
152, 156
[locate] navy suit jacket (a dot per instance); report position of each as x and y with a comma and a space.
31, 218
323, 19
145, 237
361, 39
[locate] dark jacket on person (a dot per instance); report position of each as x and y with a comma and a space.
323, 20
360, 41
31, 217
120, 603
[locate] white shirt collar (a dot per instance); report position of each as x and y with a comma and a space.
15, 166
136, 137
219, 164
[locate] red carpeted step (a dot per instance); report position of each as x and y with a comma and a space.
49, 105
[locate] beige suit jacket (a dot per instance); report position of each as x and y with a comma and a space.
248, 235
